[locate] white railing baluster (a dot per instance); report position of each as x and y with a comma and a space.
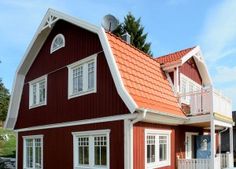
201, 102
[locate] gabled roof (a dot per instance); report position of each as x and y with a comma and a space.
173, 56
143, 78
139, 80
170, 61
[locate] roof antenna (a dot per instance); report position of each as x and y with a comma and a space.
110, 23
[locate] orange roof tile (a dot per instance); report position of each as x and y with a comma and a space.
173, 56
143, 78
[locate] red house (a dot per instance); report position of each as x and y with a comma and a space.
84, 98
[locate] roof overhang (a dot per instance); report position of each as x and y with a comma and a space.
199, 60
44, 29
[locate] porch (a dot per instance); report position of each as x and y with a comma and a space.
210, 110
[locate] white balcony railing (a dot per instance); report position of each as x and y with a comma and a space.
207, 100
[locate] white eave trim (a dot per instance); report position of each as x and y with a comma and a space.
129, 101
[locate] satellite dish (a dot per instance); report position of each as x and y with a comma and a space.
110, 23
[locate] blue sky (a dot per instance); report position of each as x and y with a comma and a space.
171, 25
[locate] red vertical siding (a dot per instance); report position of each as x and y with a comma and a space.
177, 142
190, 70
58, 145
79, 44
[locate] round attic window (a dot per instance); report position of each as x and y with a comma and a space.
57, 43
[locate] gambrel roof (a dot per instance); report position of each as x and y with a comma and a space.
139, 79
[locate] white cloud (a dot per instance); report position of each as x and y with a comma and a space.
225, 74
218, 37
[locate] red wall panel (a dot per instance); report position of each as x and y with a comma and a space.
177, 142
58, 145
190, 70
79, 44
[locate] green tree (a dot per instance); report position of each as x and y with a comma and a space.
136, 30
4, 101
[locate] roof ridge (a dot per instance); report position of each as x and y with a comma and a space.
178, 51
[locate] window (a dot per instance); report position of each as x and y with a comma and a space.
57, 43
91, 149
157, 148
82, 77
38, 92
33, 148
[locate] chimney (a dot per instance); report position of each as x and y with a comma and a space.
126, 37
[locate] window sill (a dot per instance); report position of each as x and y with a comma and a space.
71, 96
37, 105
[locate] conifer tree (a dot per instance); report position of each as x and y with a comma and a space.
4, 101
136, 31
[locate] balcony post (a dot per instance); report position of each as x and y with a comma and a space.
231, 145
212, 142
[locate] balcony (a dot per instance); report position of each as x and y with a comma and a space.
205, 101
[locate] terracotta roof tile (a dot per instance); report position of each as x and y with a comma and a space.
143, 78
173, 56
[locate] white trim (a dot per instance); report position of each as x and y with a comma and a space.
24, 149
53, 41
186, 143
36, 81
84, 62
128, 148
91, 134
158, 133
198, 119
222, 123
36, 44
80, 122
129, 101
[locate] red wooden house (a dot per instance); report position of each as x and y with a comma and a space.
84, 98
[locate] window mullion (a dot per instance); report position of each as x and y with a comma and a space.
37, 93
33, 146
157, 149
91, 151
85, 77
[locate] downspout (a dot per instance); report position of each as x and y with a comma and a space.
222, 131
129, 123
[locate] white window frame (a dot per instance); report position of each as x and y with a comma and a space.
24, 150
91, 134
188, 81
157, 133
36, 82
84, 62
53, 41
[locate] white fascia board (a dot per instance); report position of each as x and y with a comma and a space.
128, 100
80, 122
202, 67
198, 119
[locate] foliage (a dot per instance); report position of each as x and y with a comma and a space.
7, 147
136, 31
4, 101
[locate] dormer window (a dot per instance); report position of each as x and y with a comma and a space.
57, 43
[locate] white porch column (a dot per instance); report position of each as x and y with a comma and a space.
176, 79
213, 150
231, 146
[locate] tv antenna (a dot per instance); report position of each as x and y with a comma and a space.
110, 23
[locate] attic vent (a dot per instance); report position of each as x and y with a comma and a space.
57, 43
126, 37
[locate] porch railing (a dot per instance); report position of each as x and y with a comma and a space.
194, 163
221, 161
205, 100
